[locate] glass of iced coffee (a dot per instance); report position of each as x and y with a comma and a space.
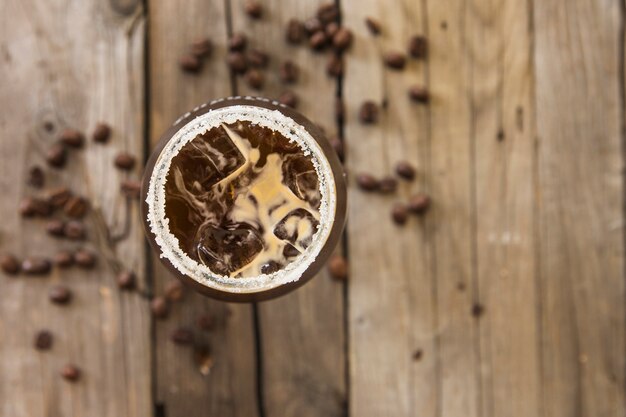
244, 199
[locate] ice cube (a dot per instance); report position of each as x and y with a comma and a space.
300, 176
226, 250
297, 228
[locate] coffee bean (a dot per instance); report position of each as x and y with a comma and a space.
85, 258
337, 146
419, 94
289, 72
417, 355
9, 264
55, 227
399, 213
131, 188
76, 207
126, 280
405, 170
190, 63
338, 267
56, 155
159, 307
206, 322
373, 25
125, 161
478, 310
295, 32
419, 203
70, 373
367, 182
290, 251
58, 197
60, 294
340, 110
74, 230
387, 185
254, 78
288, 98
182, 336
72, 138
237, 42
174, 290
312, 26
318, 40
237, 62
254, 9
36, 266
64, 259
418, 47
43, 340
36, 177
331, 29
101, 133
327, 13
368, 113
31, 207
342, 39
257, 58
395, 60
201, 47
334, 67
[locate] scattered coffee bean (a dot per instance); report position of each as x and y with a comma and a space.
64, 259
74, 230
159, 307
327, 13
340, 110
56, 155
388, 185
405, 170
478, 310
43, 340
70, 373
331, 29
418, 47
419, 94
295, 32
173, 290
9, 264
101, 133
48, 126
36, 177
76, 207
85, 258
257, 58
182, 336
237, 42
36, 266
318, 40
58, 197
288, 98
367, 182
190, 63
368, 113
254, 9
254, 78
338, 267
124, 161
342, 39
131, 188
419, 203
334, 67
31, 207
289, 72
312, 26
72, 138
399, 213
237, 62
201, 47
337, 146
126, 280
417, 355
373, 26
395, 60
60, 294
55, 227
206, 322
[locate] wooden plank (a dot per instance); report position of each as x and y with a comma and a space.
302, 334
73, 64
229, 389
581, 219
392, 310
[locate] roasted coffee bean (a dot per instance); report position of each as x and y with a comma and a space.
395, 60
72, 138
405, 170
388, 185
295, 32
237, 42
419, 94
30, 207
206, 322
58, 197
85, 258
182, 336
331, 29
126, 280
190, 63
56, 155
70, 373
313, 25
9, 264
478, 310
36, 177
289, 72
318, 40
101, 133
36, 266
159, 307
254, 78
334, 67
367, 182
337, 146
76, 207
201, 47
237, 62
257, 58
254, 9
368, 113
74, 230
373, 26
43, 340
288, 98
327, 13
399, 213
125, 161
342, 39
55, 227
418, 47
338, 267
417, 355
340, 109
174, 290
60, 294
419, 203
64, 259
131, 188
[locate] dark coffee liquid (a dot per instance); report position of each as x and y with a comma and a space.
242, 199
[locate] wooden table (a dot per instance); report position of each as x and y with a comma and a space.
521, 149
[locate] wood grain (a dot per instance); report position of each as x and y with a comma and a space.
302, 334
73, 64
